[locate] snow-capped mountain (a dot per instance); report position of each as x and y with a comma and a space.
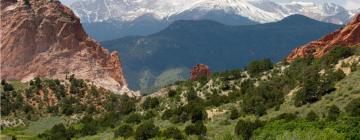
327, 12
141, 17
129, 10
353, 12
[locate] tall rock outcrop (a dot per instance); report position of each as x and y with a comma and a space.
46, 39
347, 36
199, 71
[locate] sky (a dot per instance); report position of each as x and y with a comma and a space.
349, 4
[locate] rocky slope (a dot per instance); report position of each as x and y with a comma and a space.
46, 39
347, 36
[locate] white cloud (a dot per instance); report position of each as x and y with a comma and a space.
352, 4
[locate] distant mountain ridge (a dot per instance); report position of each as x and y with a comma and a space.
186, 43
144, 17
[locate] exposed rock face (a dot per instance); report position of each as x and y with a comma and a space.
347, 36
198, 71
46, 39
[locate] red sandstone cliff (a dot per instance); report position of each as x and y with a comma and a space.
347, 36
199, 71
46, 39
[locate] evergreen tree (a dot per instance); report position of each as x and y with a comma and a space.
312, 116
333, 113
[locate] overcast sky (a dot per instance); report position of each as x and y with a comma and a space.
349, 4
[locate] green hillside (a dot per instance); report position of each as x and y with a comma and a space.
308, 99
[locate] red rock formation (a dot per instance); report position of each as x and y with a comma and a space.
347, 36
46, 39
198, 71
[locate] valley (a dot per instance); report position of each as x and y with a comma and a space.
293, 78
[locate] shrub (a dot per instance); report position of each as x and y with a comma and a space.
336, 53
8, 87
172, 133
172, 93
168, 113
312, 116
151, 102
286, 116
124, 131
27, 2
198, 114
253, 104
149, 114
310, 84
89, 126
57, 132
333, 113
126, 104
353, 108
234, 114
196, 129
67, 109
146, 131
3, 82
133, 118
245, 128
246, 86
191, 95
258, 66
109, 119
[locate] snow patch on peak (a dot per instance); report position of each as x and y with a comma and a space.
261, 11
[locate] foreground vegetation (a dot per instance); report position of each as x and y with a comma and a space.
306, 99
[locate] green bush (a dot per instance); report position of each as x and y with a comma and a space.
341, 129
315, 86
286, 116
198, 114
146, 131
151, 102
335, 54
191, 95
149, 114
172, 93
245, 128
309, 92
258, 66
168, 113
27, 2
57, 132
234, 114
124, 131
134, 118
265, 96
125, 104
89, 126
196, 129
8, 87
173, 133
312, 116
353, 108
333, 113
253, 104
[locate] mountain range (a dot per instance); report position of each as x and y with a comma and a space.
164, 57
111, 19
